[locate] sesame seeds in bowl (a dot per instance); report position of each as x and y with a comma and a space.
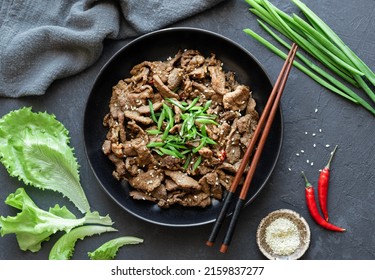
283, 234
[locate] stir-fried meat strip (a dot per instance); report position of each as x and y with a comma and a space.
237, 100
147, 181
162, 88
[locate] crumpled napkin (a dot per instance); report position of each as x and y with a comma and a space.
42, 41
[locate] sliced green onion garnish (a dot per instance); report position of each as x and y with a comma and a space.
161, 119
176, 144
187, 162
206, 121
152, 113
153, 131
169, 152
197, 163
200, 146
155, 144
195, 100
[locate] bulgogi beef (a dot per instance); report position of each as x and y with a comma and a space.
178, 129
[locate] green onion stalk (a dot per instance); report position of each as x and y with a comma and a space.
321, 42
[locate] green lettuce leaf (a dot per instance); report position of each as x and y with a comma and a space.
33, 225
63, 249
108, 250
34, 147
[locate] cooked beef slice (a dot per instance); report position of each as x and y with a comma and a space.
138, 195
217, 79
117, 149
228, 167
147, 181
206, 152
170, 162
170, 185
120, 168
182, 179
135, 131
208, 92
163, 89
136, 116
145, 109
211, 180
175, 78
225, 179
197, 200
106, 147
237, 99
131, 166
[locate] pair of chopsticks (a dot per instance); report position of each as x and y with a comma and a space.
265, 121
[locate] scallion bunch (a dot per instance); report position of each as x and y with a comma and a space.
316, 38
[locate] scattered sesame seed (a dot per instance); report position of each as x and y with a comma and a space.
314, 145
312, 163
302, 151
306, 132
314, 134
320, 130
316, 110
328, 145
307, 161
290, 169
297, 154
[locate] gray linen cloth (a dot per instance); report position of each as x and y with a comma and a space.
45, 40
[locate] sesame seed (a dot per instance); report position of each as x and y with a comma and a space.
297, 154
316, 110
328, 145
302, 151
314, 134
307, 161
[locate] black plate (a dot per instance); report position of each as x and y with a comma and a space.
160, 45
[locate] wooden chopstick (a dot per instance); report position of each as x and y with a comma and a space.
265, 122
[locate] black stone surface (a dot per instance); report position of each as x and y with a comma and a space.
307, 108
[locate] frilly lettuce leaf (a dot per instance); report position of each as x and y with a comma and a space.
108, 250
64, 247
33, 225
35, 148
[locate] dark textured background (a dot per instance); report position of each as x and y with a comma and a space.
352, 191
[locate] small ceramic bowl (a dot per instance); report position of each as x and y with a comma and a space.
295, 223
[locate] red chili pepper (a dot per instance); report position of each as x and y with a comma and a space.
313, 208
323, 186
222, 155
